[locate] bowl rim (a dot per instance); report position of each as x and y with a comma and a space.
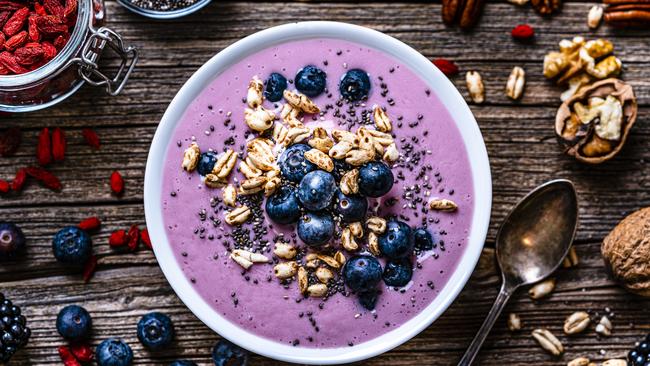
438, 83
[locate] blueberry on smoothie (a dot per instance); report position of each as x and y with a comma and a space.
351, 208
397, 241
355, 85
114, 352
183, 363
72, 245
368, 299
274, 87
206, 163
362, 273
74, 323
315, 228
311, 80
283, 206
12, 241
375, 179
398, 272
155, 330
226, 353
316, 190
293, 164
422, 239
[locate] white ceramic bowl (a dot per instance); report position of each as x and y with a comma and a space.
438, 83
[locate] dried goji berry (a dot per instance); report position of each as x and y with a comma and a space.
54, 7
82, 351
91, 138
67, 357
49, 50
90, 223
447, 67
30, 54
19, 180
10, 141
9, 61
523, 32
2, 40
32, 29
118, 238
70, 8
61, 40
117, 183
51, 25
16, 22
10, 5
144, 236
4, 16
4, 186
16, 41
58, 144
44, 147
39, 9
133, 238
48, 179
89, 270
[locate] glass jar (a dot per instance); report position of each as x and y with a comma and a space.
76, 64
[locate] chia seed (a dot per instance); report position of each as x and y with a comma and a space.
163, 5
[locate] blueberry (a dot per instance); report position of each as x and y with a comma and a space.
311, 80
12, 241
274, 87
639, 360
644, 348
423, 240
72, 245
362, 273
355, 85
398, 272
351, 208
368, 299
397, 241
226, 353
316, 190
74, 323
206, 163
283, 206
375, 179
183, 363
114, 352
155, 330
293, 164
315, 228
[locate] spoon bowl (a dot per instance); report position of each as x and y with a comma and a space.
537, 234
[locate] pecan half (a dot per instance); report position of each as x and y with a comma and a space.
546, 7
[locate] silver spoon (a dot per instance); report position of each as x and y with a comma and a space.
531, 244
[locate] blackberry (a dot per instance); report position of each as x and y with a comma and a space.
14, 334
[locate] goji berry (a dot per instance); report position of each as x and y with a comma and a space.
16, 41
2, 40
70, 8
91, 138
30, 54
51, 25
10, 141
117, 183
82, 351
10, 5
54, 7
447, 67
9, 61
146, 240
58, 144
32, 29
4, 186
89, 270
16, 22
19, 180
118, 238
44, 147
39, 9
4, 16
49, 50
48, 179
61, 40
523, 32
133, 237
67, 357
90, 223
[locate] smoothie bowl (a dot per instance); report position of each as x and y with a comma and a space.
318, 193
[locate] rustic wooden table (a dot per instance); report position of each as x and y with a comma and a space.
519, 137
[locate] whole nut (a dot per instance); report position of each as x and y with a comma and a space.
475, 86
576, 322
580, 361
548, 341
626, 250
542, 289
516, 83
594, 17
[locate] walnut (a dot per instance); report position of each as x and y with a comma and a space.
626, 250
594, 124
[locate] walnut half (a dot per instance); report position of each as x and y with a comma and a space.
594, 124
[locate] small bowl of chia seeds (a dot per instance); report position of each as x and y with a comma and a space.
164, 9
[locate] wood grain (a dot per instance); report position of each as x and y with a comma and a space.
518, 135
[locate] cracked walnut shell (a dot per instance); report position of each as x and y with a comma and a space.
626, 251
597, 133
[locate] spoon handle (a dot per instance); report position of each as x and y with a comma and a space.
493, 315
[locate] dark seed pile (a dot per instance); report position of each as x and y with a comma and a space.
163, 5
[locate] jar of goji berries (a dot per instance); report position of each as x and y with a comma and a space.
50, 48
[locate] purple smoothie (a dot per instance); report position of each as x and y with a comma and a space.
437, 166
